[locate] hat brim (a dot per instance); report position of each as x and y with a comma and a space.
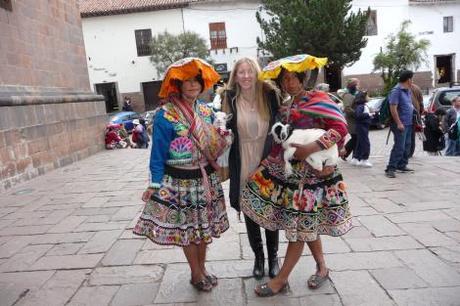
185, 69
294, 63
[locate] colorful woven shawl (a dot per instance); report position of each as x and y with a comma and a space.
317, 104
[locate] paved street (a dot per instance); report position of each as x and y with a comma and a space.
65, 239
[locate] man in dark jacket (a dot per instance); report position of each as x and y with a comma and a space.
452, 121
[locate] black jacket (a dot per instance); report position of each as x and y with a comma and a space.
234, 159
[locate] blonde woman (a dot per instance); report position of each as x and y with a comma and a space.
254, 105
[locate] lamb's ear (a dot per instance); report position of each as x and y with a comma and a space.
228, 117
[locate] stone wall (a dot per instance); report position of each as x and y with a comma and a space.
41, 131
48, 115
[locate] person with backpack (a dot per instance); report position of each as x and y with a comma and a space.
452, 127
401, 109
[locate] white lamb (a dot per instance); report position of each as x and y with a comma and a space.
220, 122
284, 134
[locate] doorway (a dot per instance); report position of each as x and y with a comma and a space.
109, 91
444, 69
151, 90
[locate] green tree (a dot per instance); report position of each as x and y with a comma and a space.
403, 51
167, 48
317, 27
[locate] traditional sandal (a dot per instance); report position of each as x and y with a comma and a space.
212, 279
202, 285
315, 281
265, 291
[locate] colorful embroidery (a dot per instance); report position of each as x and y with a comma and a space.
181, 148
330, 138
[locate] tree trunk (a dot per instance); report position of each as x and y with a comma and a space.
333, 76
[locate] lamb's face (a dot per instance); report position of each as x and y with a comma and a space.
280, 132
220, 119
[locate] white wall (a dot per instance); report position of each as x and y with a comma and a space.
240, 24
111, 44
424, 18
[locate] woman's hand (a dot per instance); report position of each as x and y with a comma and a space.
327, 171
303, 151
147, 194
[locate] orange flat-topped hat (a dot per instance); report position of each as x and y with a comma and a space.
185, 69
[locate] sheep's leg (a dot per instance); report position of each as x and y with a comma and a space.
315, 162
288, 154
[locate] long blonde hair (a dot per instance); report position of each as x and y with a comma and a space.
261, 102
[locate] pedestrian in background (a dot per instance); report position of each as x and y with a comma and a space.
363, 118
434, 136
452, 128
254, 105
127, 107
402, 111
348, 99
185, 202
417, 125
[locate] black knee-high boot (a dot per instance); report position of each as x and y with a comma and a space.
272, 238
255, 240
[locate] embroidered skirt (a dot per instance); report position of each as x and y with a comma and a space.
303, 205
179, 213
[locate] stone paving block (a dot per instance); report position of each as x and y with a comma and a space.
100, 296
454, 235
14, 285
128, 234
430, 268
398, 278
332, 245
22, 260
149, 245
52, 218
449, 225
65, 249
175, 286
385, 205
228, 292
124, 203
5, 239
126, 213
229, 243
67, 262
427, 235
56, 291
5, 223
431, 205
105, 226
448, 253
174, 255
95, 211
68, 224
123, 252
427, 296
133, 222
13, 245
135, 294
364, 211
48, 208
95, 202
97, 219
350, 286
29, 215
362, 261
383, 243
100, 242
25, 230
62, 238
321, 300
453, 212
134, 274
418, 216
358, 232
380, 226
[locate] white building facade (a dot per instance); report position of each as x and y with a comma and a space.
117, 68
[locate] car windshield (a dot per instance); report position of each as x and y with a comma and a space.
446, 97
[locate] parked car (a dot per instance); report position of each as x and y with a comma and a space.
374, 105
125, 118
442, 97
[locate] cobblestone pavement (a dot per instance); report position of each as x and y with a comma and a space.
65, 239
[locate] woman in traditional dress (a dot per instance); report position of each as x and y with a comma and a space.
185, 202
253, 105
308, 203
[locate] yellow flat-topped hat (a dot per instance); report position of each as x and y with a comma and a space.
294, 63
185, 69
